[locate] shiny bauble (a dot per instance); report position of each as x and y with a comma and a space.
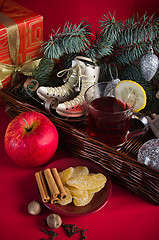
149, 65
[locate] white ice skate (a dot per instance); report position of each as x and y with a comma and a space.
77, 106
67, 90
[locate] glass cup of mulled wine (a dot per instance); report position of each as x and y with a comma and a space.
108, 119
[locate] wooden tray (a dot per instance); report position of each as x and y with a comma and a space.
122, 165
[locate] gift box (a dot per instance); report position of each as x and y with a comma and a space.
21, 35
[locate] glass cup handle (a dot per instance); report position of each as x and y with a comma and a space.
143, 119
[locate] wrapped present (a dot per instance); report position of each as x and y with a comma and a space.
21, 35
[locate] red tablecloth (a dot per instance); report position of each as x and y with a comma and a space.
125, 217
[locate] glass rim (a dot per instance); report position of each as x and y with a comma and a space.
110, 113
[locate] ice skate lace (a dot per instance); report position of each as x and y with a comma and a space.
79, 100
74, 75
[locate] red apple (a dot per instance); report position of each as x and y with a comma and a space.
31, 139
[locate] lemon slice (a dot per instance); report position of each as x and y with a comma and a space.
132, 94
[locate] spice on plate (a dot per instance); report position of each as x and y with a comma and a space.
42, 186
52, 185
59, 183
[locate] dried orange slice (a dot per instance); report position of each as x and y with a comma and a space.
94, 190
66, 174
87, 182
80, 170
75, 191
83, 200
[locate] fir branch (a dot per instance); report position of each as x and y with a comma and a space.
44, 69
132, 72
130, 37
152, 105
98, 48
155, 80
110, 27
72, 39
156, 45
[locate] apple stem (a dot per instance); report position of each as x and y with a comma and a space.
28, 128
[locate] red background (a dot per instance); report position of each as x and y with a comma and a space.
56, 13
126, 216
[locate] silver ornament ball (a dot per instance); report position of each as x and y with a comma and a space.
149, 64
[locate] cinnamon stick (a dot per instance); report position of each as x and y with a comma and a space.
42, 186
59, 183
52, 185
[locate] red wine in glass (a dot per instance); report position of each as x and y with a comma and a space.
108, 121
